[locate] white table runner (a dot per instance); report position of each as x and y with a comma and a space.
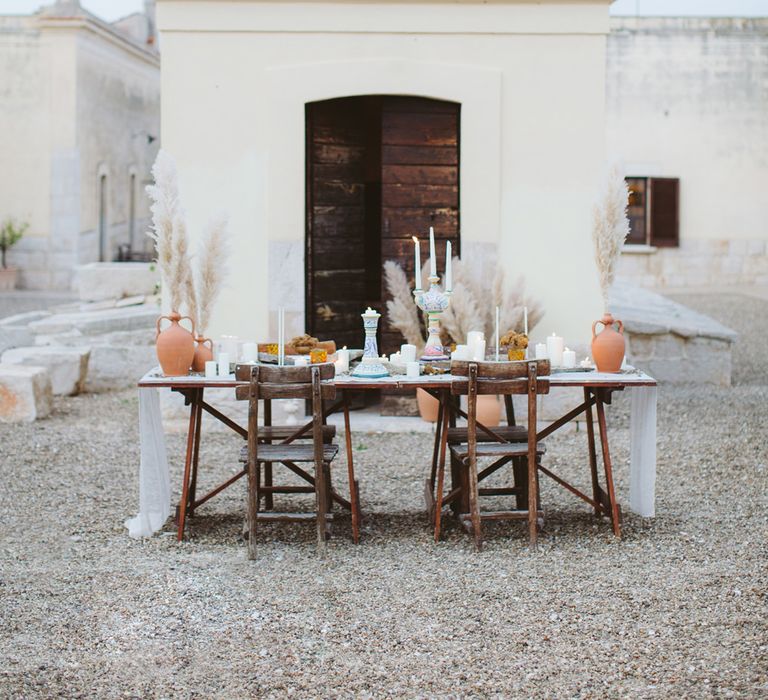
154, 478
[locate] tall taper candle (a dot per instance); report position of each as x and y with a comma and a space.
525, 321
432, 257
448, 268
497, 334
417, 253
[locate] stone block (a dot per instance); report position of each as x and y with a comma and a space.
23, 319
96, 281
14, 337
119, 366
95, 322
639, 347
668, 346
25, 393
67, 367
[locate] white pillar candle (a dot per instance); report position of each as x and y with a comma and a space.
223, 364
478, 351
417, 262
211, 369
555, 350
541, 351
432, 256
448, 268
412, 370
569, 358
250, 352
408, 352
460, 353
474, 338
300, 361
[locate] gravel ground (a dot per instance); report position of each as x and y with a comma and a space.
675, 609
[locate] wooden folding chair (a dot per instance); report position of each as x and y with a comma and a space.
269, 382
506, 378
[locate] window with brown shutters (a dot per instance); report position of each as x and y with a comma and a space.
653, 211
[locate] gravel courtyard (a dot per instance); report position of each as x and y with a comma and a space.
675, 609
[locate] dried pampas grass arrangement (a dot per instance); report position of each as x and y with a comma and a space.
610, 228
473, 304
402, 311
169, 232
212, 269
476, 294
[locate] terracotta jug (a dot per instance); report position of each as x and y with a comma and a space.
489, 410
175, 345
608, 346
203, 353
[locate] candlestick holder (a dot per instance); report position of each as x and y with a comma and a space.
370, 366
433, 302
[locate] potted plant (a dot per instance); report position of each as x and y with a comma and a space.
10, 234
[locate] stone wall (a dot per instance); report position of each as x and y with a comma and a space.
697, 263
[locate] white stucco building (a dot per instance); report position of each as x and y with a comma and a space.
517, 87
79, 130
687, 99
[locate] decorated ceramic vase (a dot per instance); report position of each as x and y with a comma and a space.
203, 353
608, 345
175, 345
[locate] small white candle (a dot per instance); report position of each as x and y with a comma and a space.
525, 320
300, 361
569, 358
417, 254
448, 268
432, 256
555, 350
586, 363
478, 352
223, 364
396, 358
412, 370
408, 352
460, 353
497, 334
250, 352
541, 351
211, 369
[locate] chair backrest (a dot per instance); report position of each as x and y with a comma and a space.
517, 377
285, 382
273, 382
500, 377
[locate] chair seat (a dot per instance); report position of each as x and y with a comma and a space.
283, 432
496, 449
295, 452
513, 433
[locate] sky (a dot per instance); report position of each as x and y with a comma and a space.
114, 9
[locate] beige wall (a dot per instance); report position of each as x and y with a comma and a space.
530, 78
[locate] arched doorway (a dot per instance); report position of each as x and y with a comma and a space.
380, 169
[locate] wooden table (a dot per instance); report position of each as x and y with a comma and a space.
597, 389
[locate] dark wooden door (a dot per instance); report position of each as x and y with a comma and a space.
380, 169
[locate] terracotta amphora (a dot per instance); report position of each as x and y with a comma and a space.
608, 346
203, 353
175, 345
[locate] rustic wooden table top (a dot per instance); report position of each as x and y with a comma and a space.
629, 378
